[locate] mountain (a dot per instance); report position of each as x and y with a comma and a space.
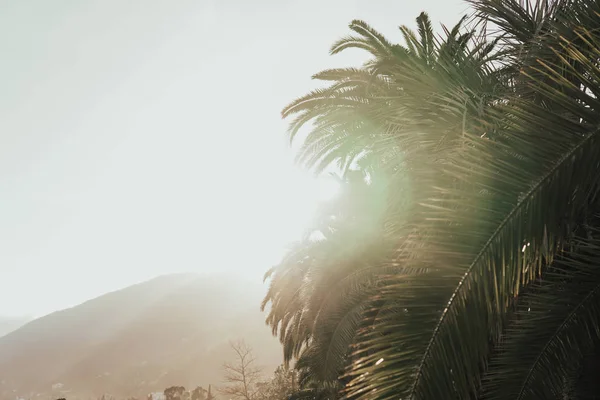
9, 324
172, 330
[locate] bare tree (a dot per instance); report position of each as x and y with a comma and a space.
242, 376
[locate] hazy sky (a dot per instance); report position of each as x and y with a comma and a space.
143, 137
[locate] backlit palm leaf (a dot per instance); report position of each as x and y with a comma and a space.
555, 325
526, 189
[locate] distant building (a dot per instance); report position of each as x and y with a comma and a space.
157, 396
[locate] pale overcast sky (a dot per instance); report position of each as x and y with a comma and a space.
143, 137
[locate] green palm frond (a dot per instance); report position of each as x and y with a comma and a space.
395, 89
346, 74
318, 391
355, 42
309, 285
411, 40
519, 21
325, 358
556, 324
490, 152
528, 187
427, 43
369, 40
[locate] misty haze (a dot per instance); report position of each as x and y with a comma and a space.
299, 200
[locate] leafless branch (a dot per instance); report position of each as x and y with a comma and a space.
243, 375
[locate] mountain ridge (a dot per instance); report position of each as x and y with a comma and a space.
170, 330
10, 324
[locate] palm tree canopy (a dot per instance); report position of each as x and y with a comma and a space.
477, 276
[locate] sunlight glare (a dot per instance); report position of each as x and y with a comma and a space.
311, 193
326, 188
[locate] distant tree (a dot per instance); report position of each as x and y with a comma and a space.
199, 393
174, 392
242, 376
281, 386
202, 394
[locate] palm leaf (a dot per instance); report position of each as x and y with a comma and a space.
556, 324
527, 180
427, 44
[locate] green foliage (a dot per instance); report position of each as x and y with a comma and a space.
470, 271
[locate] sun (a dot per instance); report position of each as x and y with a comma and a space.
315, 192
325, 188
289, 218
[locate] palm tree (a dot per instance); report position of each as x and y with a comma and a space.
310, 289
501, 149
320, 292
407, 97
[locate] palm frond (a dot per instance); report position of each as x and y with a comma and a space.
501, 159
356, 42
410, 38
525, 189
556, 324
427, 44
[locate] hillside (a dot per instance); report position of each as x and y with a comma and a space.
9, 324
173, 330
